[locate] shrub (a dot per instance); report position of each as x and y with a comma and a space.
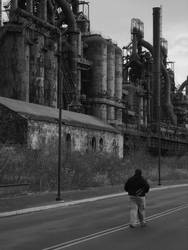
79, 171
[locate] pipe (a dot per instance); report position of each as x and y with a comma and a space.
156, 64
70, 19
73, 34
37, 20
183, 85
75, 6
168, 104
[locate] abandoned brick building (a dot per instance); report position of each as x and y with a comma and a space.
109, 96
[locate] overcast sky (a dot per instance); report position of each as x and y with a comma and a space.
113, 18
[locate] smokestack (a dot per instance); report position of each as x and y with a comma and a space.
156, 63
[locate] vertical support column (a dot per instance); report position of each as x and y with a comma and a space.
156, 62
157, 80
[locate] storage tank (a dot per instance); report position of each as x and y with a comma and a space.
96, 52
110, 78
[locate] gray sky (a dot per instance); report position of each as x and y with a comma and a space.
113, 19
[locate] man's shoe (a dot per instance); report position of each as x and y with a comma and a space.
132, 226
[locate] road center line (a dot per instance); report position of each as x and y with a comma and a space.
112, 230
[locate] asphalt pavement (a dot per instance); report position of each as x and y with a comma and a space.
102, 223
52, 204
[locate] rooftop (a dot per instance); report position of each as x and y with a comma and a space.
41, 112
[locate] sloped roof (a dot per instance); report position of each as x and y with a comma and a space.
41, 112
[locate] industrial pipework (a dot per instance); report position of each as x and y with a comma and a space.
156, 65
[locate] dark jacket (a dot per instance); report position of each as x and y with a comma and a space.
136, 186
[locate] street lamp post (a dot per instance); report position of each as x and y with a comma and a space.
60, 117
159, 145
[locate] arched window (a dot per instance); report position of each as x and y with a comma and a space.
93, 144
101, 144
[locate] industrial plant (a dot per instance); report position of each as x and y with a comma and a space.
111, 99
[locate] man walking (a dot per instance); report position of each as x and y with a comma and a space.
137, 187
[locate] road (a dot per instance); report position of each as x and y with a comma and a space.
102, 225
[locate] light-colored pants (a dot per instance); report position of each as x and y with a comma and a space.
137, 209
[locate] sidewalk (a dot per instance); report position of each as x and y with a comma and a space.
41, 201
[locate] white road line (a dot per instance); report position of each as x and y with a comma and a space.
112, 230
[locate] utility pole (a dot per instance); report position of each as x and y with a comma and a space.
60, 117
157, 78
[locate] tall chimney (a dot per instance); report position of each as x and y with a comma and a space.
156, 63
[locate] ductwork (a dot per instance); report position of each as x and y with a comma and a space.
167, 104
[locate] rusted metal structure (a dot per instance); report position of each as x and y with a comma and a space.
123, 87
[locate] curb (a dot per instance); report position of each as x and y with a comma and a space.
76, 202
